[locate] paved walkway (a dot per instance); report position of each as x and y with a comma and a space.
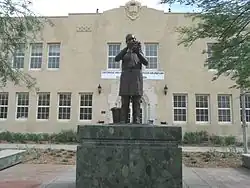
63, 176
73, 147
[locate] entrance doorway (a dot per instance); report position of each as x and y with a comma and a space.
130, 115
143, 111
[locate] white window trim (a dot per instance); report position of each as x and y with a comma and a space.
107, 47
42, 106
210, 70
18, 56
231, 113
48, 56
79, 109
173, 108
22, 119
30, 55
4, 119
58, 100
144, 51
247, 109
203, 108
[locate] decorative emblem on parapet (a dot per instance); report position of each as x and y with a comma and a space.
132, 9
83, 28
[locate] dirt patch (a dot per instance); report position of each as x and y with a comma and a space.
212, 159
48, 156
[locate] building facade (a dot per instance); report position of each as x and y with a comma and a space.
79, 80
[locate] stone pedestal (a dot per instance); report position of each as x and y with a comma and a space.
129, 156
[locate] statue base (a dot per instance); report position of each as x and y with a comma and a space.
129, 156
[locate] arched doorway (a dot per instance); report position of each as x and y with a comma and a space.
143, 112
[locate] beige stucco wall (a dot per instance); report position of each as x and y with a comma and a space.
84, 55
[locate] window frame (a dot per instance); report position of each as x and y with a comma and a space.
20, 106
42, 106
144, 51
108, 45
203, 108
58, 106
48, 56
31, 56
247, 109
18, 56
218, 108
4, 106
79, 109
186, 108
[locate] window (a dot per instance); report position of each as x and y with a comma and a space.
22, 110
224, 108
151, 53
64, 110
4, 100
209, 50
113, 50
86, 106
43, 106
202, 108
54, 56
18, 59
247, 107
36, 56
180, 108
210, 53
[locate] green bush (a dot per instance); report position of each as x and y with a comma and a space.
230, 140
217, 140
195, 137
65, 136
202, 137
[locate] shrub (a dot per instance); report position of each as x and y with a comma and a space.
65, 136
195, 137
230, 140
217, 140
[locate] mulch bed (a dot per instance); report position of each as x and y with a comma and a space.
212, 159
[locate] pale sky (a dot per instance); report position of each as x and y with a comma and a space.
63, 7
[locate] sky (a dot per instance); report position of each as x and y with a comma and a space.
63, 7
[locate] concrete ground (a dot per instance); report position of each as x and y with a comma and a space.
63, 176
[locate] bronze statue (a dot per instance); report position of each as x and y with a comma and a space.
131, 80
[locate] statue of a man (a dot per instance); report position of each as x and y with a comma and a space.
131, 80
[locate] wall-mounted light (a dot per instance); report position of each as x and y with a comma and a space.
99, 88
165, 89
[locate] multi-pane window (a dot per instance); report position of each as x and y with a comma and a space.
86, 100
151, 53
247, 107
18, 58
36, 56
22, 111
209, 50
4, 100
180, 107
64, 106
54, 56
202, 108
113, 50
43, 106
224, 108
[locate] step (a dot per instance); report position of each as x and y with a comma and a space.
10, 157
246, 160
